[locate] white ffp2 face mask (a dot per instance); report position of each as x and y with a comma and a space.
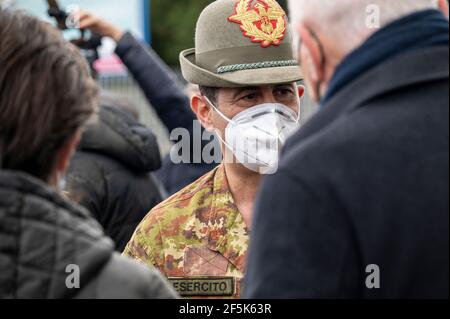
257, 135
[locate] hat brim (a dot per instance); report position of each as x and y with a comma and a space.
255, 77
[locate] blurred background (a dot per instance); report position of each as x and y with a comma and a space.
167, 26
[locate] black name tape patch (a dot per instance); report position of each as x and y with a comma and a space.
204, 286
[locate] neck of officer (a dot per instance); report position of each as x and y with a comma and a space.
243, 185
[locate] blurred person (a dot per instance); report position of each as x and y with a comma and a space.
249, 96
49, 246
160, 86
359, 207
111, 172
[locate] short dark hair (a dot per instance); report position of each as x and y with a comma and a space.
210, 93
46, 93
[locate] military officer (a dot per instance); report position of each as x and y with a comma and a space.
244, 65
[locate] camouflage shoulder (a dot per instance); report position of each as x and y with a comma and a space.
176, 213
186, 194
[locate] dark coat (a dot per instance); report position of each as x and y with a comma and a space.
365, 182
110, 173
41, 234
170, 102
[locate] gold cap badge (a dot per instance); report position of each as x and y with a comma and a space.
264, 22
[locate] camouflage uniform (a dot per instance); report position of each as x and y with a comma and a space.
197, 238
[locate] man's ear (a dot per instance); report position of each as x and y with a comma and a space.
443, 5
203, 111
66, 152
314, 55
301, 91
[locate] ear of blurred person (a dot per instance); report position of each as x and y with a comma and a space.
46, 99
314, 63
443, 5
64, 156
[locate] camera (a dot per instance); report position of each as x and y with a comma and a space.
88, 42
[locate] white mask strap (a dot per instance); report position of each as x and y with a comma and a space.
220, 113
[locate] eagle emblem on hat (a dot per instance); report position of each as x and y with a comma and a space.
263, 21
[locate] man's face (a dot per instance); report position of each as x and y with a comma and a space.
232, 101
229, 102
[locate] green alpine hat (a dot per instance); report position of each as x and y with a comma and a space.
241, 43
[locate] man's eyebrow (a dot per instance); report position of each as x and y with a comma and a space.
291, 85
243, 89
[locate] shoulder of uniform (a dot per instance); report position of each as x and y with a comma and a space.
204, 183
191, 196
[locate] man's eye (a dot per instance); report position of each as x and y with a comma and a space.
250, 97
284, 92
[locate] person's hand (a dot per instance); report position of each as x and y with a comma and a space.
99, 26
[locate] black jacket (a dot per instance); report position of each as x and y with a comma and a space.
110, 173
171, 104
43, 236
365, 182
